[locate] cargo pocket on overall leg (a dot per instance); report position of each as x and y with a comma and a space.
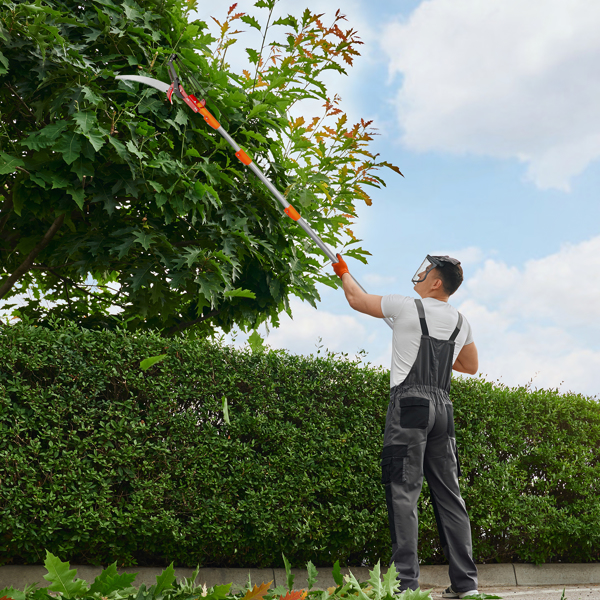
452, 435
450, 411
392, 464
414, 413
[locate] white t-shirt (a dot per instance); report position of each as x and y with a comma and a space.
441, 321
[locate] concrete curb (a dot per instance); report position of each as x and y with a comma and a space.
497, 575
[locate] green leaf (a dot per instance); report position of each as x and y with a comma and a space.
69, 145
391, 585
45, 137
144, 238
290, 21
240, 293
249, 20
312, 574
78, 195
181, 117
91, 96
10, 592
140, 276
85, 120
61, 578
257, 344
225, 410
82, 167
257, 340
417, 594
253, 55
9, 164
356, 586
119, 147
219, 592
148, 362
132, 148
375, 581
96, 139
259, 108
110, 581
3, 71
165, 580
337, 574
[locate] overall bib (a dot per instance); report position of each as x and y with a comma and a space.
419, 440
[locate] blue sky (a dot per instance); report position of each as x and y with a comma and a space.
491, 109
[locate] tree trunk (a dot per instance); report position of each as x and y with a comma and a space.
28, 262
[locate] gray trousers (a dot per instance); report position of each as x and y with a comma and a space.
419, 440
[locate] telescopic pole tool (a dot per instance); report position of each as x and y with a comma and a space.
199, 106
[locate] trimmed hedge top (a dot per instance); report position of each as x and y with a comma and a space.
102, 461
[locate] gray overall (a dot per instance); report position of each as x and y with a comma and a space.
419, 440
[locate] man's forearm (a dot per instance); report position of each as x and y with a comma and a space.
352, 290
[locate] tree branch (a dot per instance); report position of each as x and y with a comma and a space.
188, 243
12, 89
186, 324
78, 287
28, 262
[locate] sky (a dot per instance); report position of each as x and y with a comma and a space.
491, 109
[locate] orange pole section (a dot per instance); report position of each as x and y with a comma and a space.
291, 212
243, 157
211, 121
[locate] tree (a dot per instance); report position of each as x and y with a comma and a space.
112, 200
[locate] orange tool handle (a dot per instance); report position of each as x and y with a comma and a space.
210, 120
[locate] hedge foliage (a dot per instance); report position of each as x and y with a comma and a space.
101, 461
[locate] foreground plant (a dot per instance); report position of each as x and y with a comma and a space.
110, 585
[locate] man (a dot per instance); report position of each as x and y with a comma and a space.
430, 338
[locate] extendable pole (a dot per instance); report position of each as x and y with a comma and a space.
199, 106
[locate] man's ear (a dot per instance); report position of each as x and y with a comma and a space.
437, 284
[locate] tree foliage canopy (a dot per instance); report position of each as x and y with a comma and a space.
111, 199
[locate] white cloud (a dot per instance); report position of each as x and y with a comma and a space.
503, 78
540, 322
310, 329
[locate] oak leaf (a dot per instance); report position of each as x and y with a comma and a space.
258, 591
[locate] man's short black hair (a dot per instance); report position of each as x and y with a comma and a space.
451, 276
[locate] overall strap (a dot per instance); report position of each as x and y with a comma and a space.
458, 326
421, 312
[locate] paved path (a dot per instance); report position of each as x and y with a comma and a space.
554, 592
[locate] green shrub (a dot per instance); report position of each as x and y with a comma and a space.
101, 461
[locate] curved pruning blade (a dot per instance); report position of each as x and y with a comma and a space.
155, 83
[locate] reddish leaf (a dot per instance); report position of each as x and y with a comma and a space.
297, 595
257, 592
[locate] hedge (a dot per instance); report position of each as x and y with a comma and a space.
101, 461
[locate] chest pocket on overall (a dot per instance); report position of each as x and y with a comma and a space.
414, 413
392, 464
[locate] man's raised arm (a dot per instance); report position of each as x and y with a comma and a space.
368, 304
